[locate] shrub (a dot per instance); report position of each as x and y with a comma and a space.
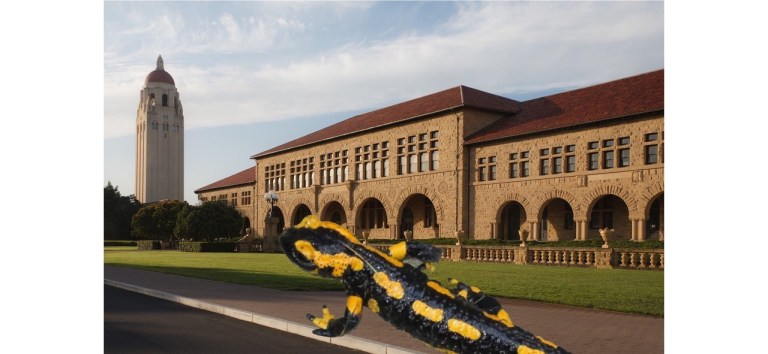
193, 246
119, 243
146, 245
569, 244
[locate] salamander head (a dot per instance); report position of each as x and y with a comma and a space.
320, 247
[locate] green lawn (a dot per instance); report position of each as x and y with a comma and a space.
640, 292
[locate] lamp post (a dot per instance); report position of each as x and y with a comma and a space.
271, 198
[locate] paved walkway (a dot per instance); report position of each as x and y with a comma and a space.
576, 329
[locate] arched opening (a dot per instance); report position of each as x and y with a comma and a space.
373, 215
557, 221
165, 100
301, 212
152, 99
246, 226
277, 213
419, 216
511, 220
406, 221
654, 228
610, 212
334, 212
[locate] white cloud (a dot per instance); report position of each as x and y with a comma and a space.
498, 47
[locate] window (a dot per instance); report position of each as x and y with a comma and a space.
524, 169
570, 163
429, 214
245, 198
651, 154
274, 177
610, 153
624, 157
417, 155
557, 165
553, 163
372, 160
486, 169
301, 168
518, 167
544, 167
651, 148
608, 159
374, 215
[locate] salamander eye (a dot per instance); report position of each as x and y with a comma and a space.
297, 249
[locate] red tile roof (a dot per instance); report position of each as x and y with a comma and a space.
633, 95
460, 96
243, 177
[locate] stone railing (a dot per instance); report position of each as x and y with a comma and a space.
620, 258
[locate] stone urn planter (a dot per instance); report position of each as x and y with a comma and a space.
523, 236
457, 234
606, 234
366, 234
408, 235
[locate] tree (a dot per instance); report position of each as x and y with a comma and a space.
212, 220
157, 220
118, 212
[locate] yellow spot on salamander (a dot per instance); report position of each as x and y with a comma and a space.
339, 262
475, 289
373, 305
466, 330
525, 350
394, 289
553, 345
399, 250
501, 316
437, 287
430, 313
313, 222
355, 304
463, 293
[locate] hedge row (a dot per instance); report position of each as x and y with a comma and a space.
146, 245
119, 243
192, 246
571, 244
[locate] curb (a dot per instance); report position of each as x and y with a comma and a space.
347, 341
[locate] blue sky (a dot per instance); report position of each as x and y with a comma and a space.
253, 75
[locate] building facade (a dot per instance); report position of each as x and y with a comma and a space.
159, 139
469, 163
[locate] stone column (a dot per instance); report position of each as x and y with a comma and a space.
640, 230
634, 229
534, 231
270, 235
393, 231
494, 231
583, 228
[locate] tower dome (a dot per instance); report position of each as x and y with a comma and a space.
159, 74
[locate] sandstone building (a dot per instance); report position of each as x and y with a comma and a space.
474, 163
159, 139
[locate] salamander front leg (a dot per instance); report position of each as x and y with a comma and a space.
328, 326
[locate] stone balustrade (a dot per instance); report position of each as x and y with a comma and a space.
646, 259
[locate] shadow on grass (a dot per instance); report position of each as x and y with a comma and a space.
249, 277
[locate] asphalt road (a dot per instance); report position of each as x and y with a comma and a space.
136, 323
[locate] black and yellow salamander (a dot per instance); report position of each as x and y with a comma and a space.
393, 285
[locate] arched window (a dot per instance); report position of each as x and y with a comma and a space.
374, 215
165, 100
152, 99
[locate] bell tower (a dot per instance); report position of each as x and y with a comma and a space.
159, 139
